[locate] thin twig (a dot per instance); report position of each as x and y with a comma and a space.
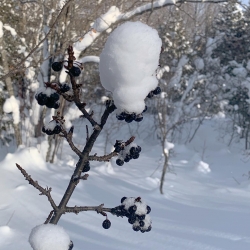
10, 218
49, 217
68, 137
102, 158
44, 191
87, 133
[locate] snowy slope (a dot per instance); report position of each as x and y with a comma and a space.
205, 205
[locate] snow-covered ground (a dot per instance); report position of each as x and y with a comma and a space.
205, 206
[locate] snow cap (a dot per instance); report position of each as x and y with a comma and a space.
48, 237
128, 63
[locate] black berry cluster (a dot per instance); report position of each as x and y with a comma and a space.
126, 153
74, 71
137, 213
54, 127
129, 117
48, 97
86, 167
154, 92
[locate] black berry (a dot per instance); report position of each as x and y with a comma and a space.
139, 118
142, 223
64, 88
127, 158
157, 91
57, 66
150, 94
118, 149
132, 220
56, 105
50, 103
71, 245
135, 156
106, 224
145, 109
148, 209
57, 129
75, 71
86, 167
136, 228
119, 162
133, 151
121, 116
138, 148
54, 96
132, 209
123, 199
129, 118
42, 98
141, 217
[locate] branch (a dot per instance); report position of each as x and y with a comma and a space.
80, 105
68, 137
44, 191
49, 217
99, 209
102, 158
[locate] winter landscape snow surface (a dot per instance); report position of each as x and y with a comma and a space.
205, 205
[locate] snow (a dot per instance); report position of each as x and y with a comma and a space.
51, 125
128, 63
197, 211
11, 105
48, 236
45, 90
240, 72
85, 59
10, 29
168, 146
101, 24
104, 21
199, 63
1, 29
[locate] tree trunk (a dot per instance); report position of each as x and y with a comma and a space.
164, 170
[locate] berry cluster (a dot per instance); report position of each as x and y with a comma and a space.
53, 127
74, 70
64, 87
136, 211
126, 153
154, 92
48, 97
86, 167
129, 117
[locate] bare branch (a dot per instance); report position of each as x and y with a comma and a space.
49, 217
44, 191
87, 133
68, 137
99, 209
102, 158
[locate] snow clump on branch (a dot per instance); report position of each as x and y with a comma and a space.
48, 237
128, 63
